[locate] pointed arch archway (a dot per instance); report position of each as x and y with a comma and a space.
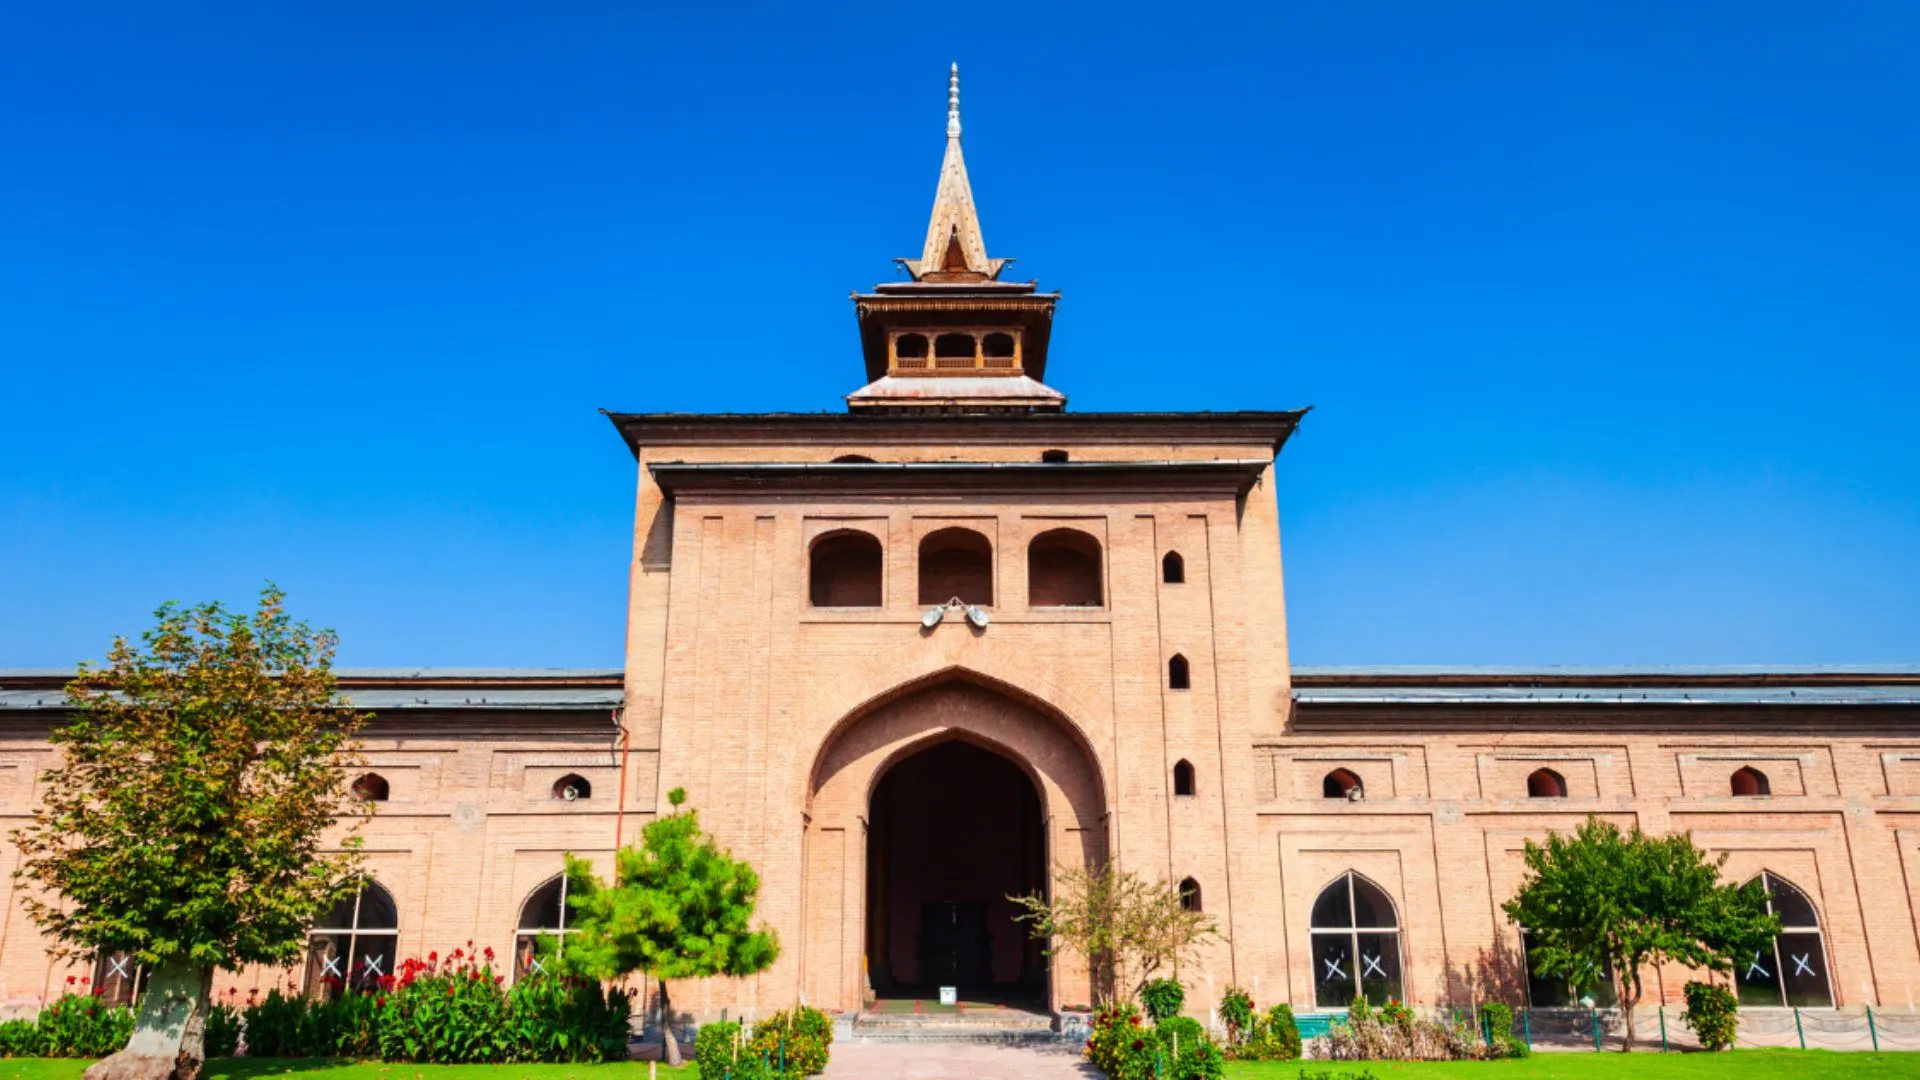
953, 760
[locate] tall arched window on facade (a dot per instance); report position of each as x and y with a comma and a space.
1063, 569
542, 930
1356, 944
1546, 784
843, 570
956, 562
1749, 782
117, 980
1190, 895
1793, 969
1179, 675
353, 946
1173, 569
1183, 777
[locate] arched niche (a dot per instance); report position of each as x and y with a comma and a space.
995, 734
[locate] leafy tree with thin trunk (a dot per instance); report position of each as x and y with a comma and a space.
1128, 929
187, 822
680, 907
1600, 900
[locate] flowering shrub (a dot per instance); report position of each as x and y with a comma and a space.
1119, 1046
1393, 1032
1186, 1053
81, 1025
1236, 1011
1275, 1037
798, 1037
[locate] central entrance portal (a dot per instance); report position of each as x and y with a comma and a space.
954, 831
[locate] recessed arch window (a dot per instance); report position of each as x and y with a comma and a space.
1792, 970
1173, 569
541, 933
953, 351
353, 945
572, 788
117, 979
1183, 777
1055, 457
1190, 895
1063, 569
910, 346
371, 788
997, 346
1546, 784
1749, 782
853, 459
1179, 676
1356, 944
843, 570
1342, 784
956, 562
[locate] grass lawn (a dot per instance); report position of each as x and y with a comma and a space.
262, 1068
1740, 1064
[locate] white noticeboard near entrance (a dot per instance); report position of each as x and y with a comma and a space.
949, 995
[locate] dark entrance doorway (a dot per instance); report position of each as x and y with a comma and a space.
954, 830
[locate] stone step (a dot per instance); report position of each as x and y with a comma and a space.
971, 1036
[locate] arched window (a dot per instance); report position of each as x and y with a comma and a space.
1182, 777
853, 459
1342, 784
1055, 457
1356, 944
1545, 991
1546, 784
956, 562
117, 980
572, 788
911, 347
1792, 971
953, 351
1749, 782
1178, 677
1173, 569
541, 933
997, 347
370, 788
352, 947
1063, 569
843, 570
1190, 895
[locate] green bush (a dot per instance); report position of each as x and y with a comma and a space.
1162, 998
223, 1030
1275, 1037
1186, 1053
796, 1038
1496, 1019
715, 1056
1236, 1011
556, 1019
1713, 1013
82, 1026
19, 1038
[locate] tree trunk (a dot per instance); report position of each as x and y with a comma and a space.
168, 1034
1629, 1002
666, 1027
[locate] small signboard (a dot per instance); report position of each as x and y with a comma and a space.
949, 995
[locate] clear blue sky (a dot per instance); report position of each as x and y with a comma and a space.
1609, 312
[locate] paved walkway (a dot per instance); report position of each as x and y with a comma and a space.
952, 1061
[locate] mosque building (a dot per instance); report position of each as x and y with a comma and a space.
917, 656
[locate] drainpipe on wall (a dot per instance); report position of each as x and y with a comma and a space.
620, 808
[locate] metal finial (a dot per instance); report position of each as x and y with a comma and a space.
953, 103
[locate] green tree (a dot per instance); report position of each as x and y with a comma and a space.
1128, 929
1602, 900
680, 907
200, 773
